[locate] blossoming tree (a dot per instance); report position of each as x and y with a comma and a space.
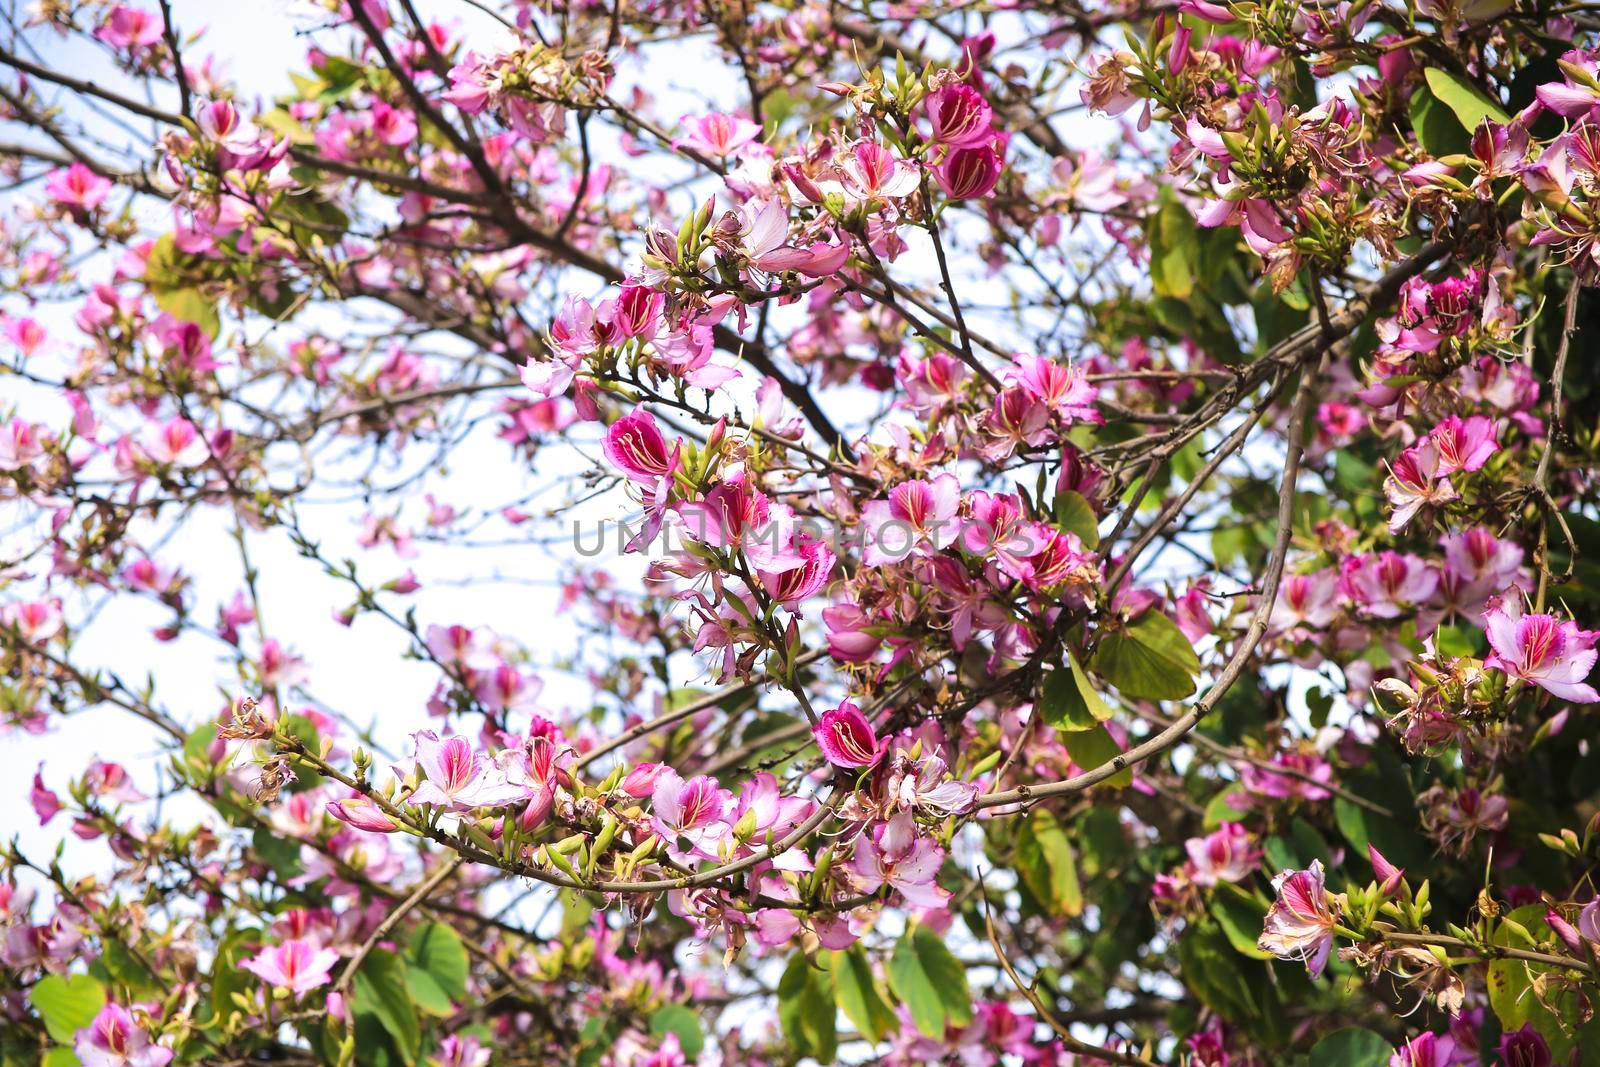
1107, 508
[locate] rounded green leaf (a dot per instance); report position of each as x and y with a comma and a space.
1151, 659
1352, 1047
67, 1003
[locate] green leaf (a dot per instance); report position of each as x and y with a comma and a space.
1068, 699
1092, 748
1075, 514
806, 1010
126, 968
1352, 1047
681, 1020
1238, 989
67, 1003
380, 991
1150, 660
436, 968
1470, 104
856, 992
1047, 865
61, 1057
930, 982
174, 289
1240, 915
1397, 834
282, 854
1174, 250
1437, 127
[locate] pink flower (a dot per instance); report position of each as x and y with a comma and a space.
460, 1051
77, 188
1425, 1050
1589, 921
915, 512
130, 27
641, 780
116, 1039
1389, 876
846, 738
1554, 655
1309, 600
693, 810
45, 803
635, 446
1476, 566
1464, 444
1226, 855
897, 855
297, 965
1386, 583
1059, 386
1204, 9
175, 442
968, 173
959, 116
1416, 480
1266, 782
719, 135
27, 335
1300, 923
35, 620
806, 580
21, 443
873, 173
636, 311
361, 813
455, 777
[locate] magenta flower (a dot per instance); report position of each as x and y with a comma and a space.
635, 446
1416, 480
1464, 444
455, 777
298, 965
1059, 386
959, 116
77, 188
1425, 1050
1524, 1048
1554, 655
847, 738
1389, 876
45, 802
969, 173
806, 580
1300, 923
1225, 855
116, 1039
